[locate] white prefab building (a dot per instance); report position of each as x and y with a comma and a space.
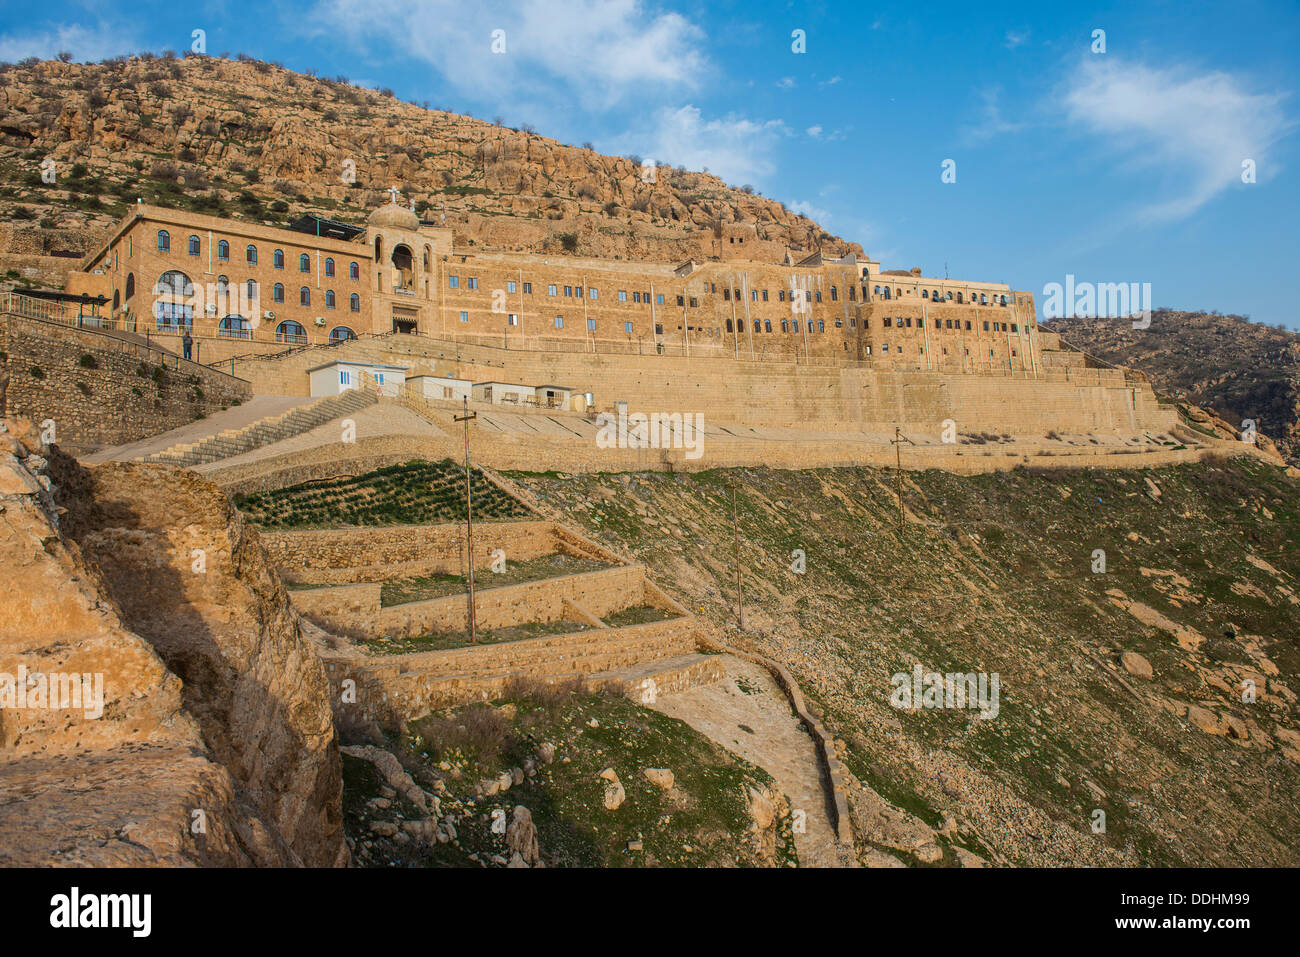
505, 393
554, 396
335, 378
440, 387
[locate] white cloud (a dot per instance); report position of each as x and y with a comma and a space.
1196, 128
86, 44
735, 148
599, 51
786, 83
814, 131
804, 208
991, 123
1014, 39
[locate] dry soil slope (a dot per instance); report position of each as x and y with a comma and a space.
995, 573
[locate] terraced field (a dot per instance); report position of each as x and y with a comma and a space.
413, 493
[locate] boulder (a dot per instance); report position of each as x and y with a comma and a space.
660, 778
1136, 665
521, 836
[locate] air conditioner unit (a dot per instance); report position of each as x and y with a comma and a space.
210, 308
320, 320
268, 314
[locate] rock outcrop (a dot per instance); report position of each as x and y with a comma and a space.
202, 731
260, 142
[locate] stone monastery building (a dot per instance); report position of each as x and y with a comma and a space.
243, 289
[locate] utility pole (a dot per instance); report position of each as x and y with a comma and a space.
897, 442
740, 590
469, 520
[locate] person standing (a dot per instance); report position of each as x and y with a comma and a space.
187, 343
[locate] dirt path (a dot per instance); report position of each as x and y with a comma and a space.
748, 714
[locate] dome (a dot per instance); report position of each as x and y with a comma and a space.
397, 217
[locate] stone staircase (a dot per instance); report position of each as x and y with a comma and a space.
234, 442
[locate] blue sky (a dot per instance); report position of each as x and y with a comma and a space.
1122, 166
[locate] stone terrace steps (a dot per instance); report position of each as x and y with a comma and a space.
646, 680
234, 442
582, 652
646, 659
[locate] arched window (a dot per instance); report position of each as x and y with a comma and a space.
195, 245
250, 290
223, 284
164, 241
767, 325
235, 327
329, 298
728, 325
785, 325
304, 296
354, 303
341, 334
130, 285
290, 331
426, 258
173, 316
173, 282
277, 259
223, 251
277, 293
304, 263
354, 271
250, 254
329, 266
758, 327
117, 299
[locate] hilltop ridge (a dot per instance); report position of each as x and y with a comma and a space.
253, 140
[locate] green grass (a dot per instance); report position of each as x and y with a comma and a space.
705, 812
414, 493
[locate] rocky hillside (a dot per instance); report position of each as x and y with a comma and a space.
1122, 689
255, 141
1237, 368
209, 739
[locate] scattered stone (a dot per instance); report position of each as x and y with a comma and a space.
615, 795
660, 778
546, 753
636, 845
1206, 720
929, 853
1136, 665
521, 836
383, 828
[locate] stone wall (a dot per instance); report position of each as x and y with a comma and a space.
397, 688
773, 393
357, 609
340, 556
104, 400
